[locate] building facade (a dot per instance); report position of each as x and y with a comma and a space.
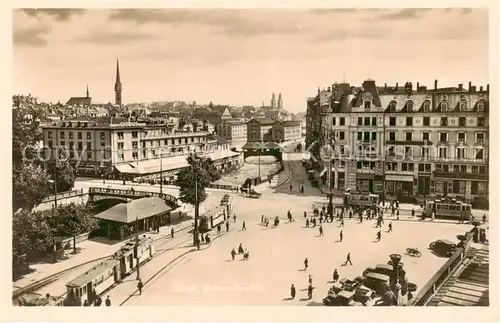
259, 130
402, 140
235, 131
130, 149
286, 131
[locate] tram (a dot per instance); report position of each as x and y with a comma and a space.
448, 208
97, 280
360, 199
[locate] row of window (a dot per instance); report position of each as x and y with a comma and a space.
462, 121
445, 106
425, 168
443, 136
443, 152
79, 135
458, 187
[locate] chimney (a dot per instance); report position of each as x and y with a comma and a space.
487, 88
396, 86
481, 88
470, 86
385, 88
435, 84
418, 86
460, 86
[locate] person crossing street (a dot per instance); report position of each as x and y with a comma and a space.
348, 259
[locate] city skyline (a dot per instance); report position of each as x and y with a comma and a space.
259, 52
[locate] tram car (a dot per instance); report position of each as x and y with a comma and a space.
360, 199
448, 208
97, 280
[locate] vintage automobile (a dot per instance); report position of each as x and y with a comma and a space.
377, 282
346, 284
382, 269
363, 294
342, 298
443, 247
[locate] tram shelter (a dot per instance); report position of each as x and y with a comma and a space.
125, 219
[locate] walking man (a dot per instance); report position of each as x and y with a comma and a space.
234, 218
307, 223
320, 230
172, 232
306, 264
379, 234
348, 259
218, 229
227, 226
291, 187
140, 285
342, 222
335, 275
341, 235
108, 301
310, 291
244, 226
305, 214
390, 227
292, 291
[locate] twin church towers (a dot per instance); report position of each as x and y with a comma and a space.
277, 105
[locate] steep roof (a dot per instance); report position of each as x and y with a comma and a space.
77, 100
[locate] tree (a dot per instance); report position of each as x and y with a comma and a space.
72, 220
200, 174
30, 233
30, 185
25, 128
65, 177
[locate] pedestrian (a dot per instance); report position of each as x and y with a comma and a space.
310, 279
307, 223
108, 301
390, 227
140, 285
379, 235
172, 233
348, 259
233, 254
218, 229
320, 230
397, 214
267, 222
86, 303
198, 243
227, 226
350, 214
291, 187
378, 223
341, 235
202, 238
292, 291
412, 212
360, 218
244, 227
262, 219
310, 291
335, 275
305, 214
234, 218
342, 222
321, 219
98, 301
306, 263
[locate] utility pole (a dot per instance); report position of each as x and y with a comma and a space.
161, 171
137, 247
260, 149
196, 207
54, 212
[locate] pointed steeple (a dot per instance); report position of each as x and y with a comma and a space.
118, 85
88, 91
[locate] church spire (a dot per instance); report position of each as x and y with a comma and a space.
118, 85
88, 91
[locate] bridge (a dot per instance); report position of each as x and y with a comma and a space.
98, 193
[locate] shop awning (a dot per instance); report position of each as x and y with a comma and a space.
127, 169
399, 178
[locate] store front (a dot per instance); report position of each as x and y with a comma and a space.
399, 184
364, 182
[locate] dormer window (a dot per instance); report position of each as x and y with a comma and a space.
409, 106
392, 106
427, 106
480, 107
444, 106
462, 106
368, 105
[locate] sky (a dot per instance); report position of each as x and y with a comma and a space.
241, 56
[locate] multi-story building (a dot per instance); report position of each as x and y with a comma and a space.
259, 130
212, 114
132, 149
286, 131
235, 131
402, 140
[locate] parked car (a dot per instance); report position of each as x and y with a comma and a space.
377, 282
443, 247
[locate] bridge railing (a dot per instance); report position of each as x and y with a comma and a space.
63, 195
131, 193
439, 279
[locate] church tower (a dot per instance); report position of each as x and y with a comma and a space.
87, 92
280, 102
273, 101
118, 85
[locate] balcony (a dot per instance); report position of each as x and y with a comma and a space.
409, 142
461, 175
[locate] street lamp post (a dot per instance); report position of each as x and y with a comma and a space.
196, 207
54, 212
137, 247
161, 171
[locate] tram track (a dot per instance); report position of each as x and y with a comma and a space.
170, 265
33, 287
